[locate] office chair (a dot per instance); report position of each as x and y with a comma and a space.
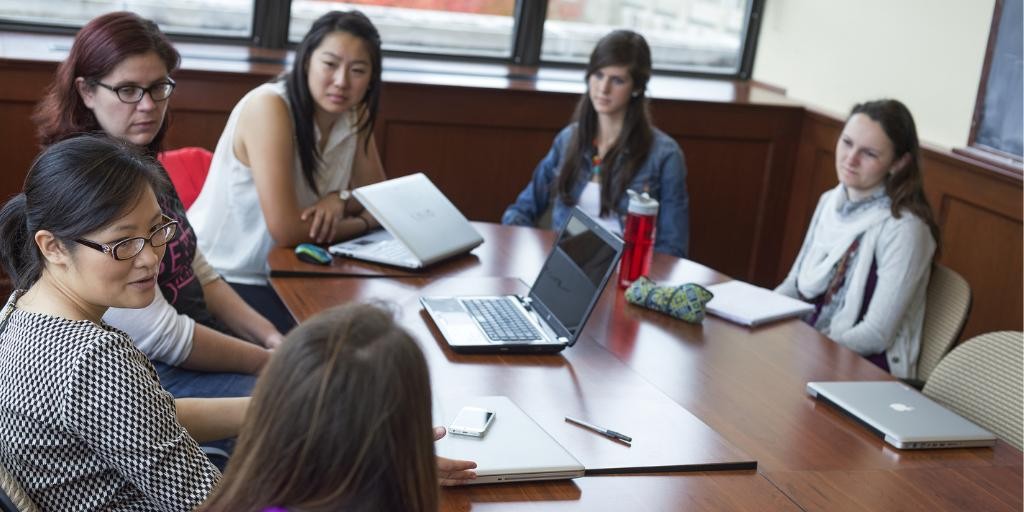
947, 305
982, 381
187, 168
13, 497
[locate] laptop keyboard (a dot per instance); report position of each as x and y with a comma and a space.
391, 250
501, 320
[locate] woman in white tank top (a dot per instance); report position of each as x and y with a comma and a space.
291, 151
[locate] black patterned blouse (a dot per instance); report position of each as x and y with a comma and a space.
84, 424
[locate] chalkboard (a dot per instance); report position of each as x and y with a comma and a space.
1000, 114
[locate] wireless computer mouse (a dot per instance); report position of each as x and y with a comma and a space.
313, 254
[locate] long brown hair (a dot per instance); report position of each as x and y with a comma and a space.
99, 47
339, 420
627, 154
905, 187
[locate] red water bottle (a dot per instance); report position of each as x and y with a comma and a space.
639, 237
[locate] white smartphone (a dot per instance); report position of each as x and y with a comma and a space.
472, 421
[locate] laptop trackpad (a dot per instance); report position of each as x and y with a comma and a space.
456, 324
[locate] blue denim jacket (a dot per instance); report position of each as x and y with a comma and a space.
662, 175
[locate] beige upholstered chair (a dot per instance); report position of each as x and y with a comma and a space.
947, 304
12, 496
982, 381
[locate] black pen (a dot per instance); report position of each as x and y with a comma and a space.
603, 431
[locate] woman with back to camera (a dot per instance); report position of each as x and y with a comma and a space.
84, 423
867, 256
340, 420
611, 146
116, 80
291, 151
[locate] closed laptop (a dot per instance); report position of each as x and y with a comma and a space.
900, 414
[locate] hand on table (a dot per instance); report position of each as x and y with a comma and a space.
451, 471
323, 216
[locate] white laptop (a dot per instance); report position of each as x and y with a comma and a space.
421, 226
901, 415
514, 448
552, 315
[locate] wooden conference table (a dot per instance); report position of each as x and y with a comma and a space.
714, 396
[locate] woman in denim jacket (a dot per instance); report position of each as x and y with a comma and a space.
611, 146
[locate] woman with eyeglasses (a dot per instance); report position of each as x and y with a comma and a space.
116, 80
84, 423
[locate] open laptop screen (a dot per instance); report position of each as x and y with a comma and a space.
575, 272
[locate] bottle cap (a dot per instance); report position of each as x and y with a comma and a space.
642, 204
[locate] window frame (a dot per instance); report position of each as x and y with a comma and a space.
1002, 160
271, 19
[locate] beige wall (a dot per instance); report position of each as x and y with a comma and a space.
927, 53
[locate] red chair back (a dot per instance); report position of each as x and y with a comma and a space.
187, 168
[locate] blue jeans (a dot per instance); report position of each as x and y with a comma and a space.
183, 383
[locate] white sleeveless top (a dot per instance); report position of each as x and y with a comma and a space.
227, 217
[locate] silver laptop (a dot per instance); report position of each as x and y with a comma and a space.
901, 415
421, 226
552, 315
514, 448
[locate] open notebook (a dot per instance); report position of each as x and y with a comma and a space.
751, 305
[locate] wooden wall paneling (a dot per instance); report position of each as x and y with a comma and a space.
814, 174
21, 88
726, 183
201, 105
985, 247
980, 221
480, 146
740, 161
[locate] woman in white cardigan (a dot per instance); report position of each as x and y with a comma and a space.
867, 255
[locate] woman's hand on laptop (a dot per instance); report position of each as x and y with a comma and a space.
451, 471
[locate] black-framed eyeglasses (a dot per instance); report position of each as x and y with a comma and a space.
159, 91
131, 247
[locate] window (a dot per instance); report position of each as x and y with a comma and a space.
221, 18
454, 27
697, 36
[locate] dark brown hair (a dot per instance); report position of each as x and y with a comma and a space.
905, 187
301, 100
99, 47
339, 420
627, 154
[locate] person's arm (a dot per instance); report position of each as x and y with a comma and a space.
210, 419
214, 351
366, 169
673, 231
225, 304
534, 200
904, 257
113, 402
157, 330
264, 142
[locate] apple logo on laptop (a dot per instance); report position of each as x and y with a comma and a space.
898, 407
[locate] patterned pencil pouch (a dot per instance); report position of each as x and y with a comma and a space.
685, 302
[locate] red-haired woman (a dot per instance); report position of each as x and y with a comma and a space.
116, 81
